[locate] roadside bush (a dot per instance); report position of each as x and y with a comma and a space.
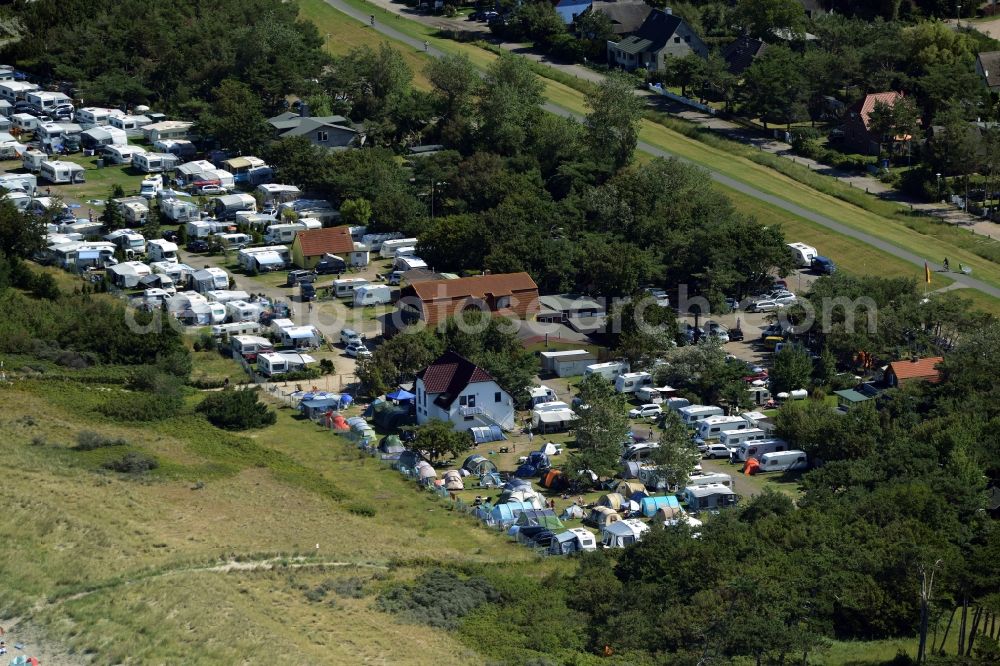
132, 463
236, 410
438, 598
88, 440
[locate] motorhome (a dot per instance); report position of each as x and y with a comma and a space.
714, 426
372, 294
758, 448
284, 233
20, 200
131, 124
122, 154
404, 263
179, 210
45, 102
655, 395
15, 182
274, 194
179, 273
264, 259
161, 250
389, 247
134, 212
243, 311
182, 148
14, 91
573, 540
344, 287
374, 241
55, 137
92, 116
692, 415
630, 382
608, 371
198, 228
233, 240
734, 439
32, 160
249, 346
300, 337
24, 122
760, 395
131, 242
639, 452
236, 328
803, 254
151, 186
226, 295
710, 497
278, 364
97, 138
60, 172
127, 274
782, 461
208, 279
153, 162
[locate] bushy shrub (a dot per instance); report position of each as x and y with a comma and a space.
88, 440
141, 406
236, 410
132, 463
362, 509
438, 598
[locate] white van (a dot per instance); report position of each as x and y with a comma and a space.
344, 287
692, 415
609, 371
734, 439
249, 346
756, 449
389, 247
714, 426
706, 479
350, 337
639, 452
234, 240
783, 461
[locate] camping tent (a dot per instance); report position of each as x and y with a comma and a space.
630, 470
401, 394
555, 480
666, 514
409, 459
391, 444
549, 449
630, 488
523, 495
491, 480
388, 416
526, 471
477, 465
613, 501
602, 515
426, 472
504, 515
453, 480
572, 540
572, 512
540, 517
623, 533
535, 537
484, 434
650, 505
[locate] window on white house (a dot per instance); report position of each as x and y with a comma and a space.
472, 401
463, 400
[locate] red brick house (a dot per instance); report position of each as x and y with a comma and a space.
900, 373
857, 130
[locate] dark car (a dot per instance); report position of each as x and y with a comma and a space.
299, 276
307, 291
736, 335
330, 264
197, 246
170, 236
23, 107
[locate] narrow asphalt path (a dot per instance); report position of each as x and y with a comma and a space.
722, 179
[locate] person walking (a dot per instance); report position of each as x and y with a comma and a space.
946, 265
372, 20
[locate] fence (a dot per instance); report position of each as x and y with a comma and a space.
660, 90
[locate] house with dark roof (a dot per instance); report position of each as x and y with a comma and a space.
988, 69
661, 36
323, 131
511, 295
739, 55
900, 373
857, 123
312, 245
626, 16
455, 389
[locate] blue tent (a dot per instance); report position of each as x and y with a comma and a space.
526, 471
483, 434
506, 514
401, 395
650, 505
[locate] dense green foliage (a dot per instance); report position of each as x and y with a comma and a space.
231, 409
438, 598
172, 53
439, 439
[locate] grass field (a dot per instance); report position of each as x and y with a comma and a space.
125, 569
937, 242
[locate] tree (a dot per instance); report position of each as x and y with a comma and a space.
881, 122
792, 369
612, 125
510, 100
236, 119
677, 455
454, 79
763, 19
356, 212
601, 429
237, 410
684, 71
774, 86
21, 235
453, 243
645, 330
438, 439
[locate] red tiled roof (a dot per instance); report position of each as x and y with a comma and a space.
922, 368
868, 104
449, 375
442, 299
317, 242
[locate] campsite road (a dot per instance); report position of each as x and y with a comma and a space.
720, 178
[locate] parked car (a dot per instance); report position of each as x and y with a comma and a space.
299, 276
694, 334
645, 411
784, 298
661, 296
196, 246
772, 330
735, 335
766, 305
713, 451
717, 331
209, 190
170, 235
358, 350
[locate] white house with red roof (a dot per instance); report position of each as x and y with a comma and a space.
455, 389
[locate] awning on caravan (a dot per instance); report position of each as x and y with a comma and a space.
89, 254
269, 259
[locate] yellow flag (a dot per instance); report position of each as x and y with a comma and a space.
927, 273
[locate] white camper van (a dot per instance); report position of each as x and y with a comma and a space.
734, 439
609, 371
692, 415
714, 426
249, 346
756, 449
804, 254
630, 382
782, 461
236, 328
161, 250
372, 294
389, 247
344, 287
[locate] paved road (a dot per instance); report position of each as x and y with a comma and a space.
722, 179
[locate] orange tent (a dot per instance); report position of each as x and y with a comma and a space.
752, 466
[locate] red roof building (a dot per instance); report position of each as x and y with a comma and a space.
903, 372
311, 245
857, 126
513, 295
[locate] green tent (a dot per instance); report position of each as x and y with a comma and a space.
546, 518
